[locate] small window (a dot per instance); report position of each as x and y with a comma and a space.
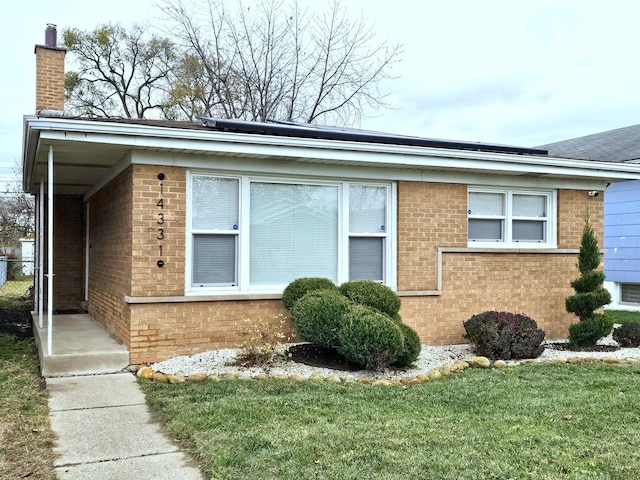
215, 228
630, 293
367, 232
506, 218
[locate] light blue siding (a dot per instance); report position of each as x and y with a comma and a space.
622, 232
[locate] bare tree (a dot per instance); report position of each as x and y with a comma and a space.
120, 72
17, 213
271, 61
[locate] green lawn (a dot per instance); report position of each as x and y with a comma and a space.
528, 422
26, 440
15, 288
621, 316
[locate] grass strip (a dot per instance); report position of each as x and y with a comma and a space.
623, 316
26, 440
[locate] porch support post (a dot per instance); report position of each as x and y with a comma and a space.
40, 279
86, 255
50, 250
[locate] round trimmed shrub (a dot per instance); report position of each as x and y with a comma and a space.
627, 335
587, 332
317, 316
301, 286
369, 338
412, 346
504, 335
372, 294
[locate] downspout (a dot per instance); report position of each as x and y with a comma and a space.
50, 250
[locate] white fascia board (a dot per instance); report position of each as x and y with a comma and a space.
318, 150
255, 166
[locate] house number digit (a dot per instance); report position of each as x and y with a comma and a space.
160, 220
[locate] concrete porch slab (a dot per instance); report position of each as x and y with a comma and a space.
80, 346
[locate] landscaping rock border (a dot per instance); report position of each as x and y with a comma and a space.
146, 371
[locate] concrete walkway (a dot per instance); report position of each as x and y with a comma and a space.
105, 431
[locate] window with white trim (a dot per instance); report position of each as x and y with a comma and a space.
215, 230
367, 232
511, 218
256, 234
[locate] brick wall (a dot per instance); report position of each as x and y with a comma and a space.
147, 278
572, 205
110, 240
534, 284
68, 252
430, 215
164, 330
49, 78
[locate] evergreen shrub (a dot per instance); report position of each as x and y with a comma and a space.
316, 317
628, 335
372, 294
590, 294
587, 332
412, 346
301, 286
504, 335
369, 338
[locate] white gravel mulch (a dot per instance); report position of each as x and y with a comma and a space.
220, 362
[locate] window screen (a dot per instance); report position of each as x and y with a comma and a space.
214, 260
366, 256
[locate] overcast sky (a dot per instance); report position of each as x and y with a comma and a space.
525, 72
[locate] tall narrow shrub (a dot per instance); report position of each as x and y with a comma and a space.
590, 294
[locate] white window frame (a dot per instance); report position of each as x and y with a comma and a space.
550, 224
383, 234
243, 285
215, 232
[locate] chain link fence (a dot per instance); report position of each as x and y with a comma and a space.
16, 296
16, 278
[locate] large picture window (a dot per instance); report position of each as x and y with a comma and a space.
252, 234
511, 218
294, 232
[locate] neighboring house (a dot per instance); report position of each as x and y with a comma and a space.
621, 210
171, 233
27, 255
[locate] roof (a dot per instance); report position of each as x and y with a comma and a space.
88, 152
619, 145
308, 130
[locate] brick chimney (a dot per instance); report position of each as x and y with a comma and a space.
50, 74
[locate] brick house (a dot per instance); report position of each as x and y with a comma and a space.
171, 233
